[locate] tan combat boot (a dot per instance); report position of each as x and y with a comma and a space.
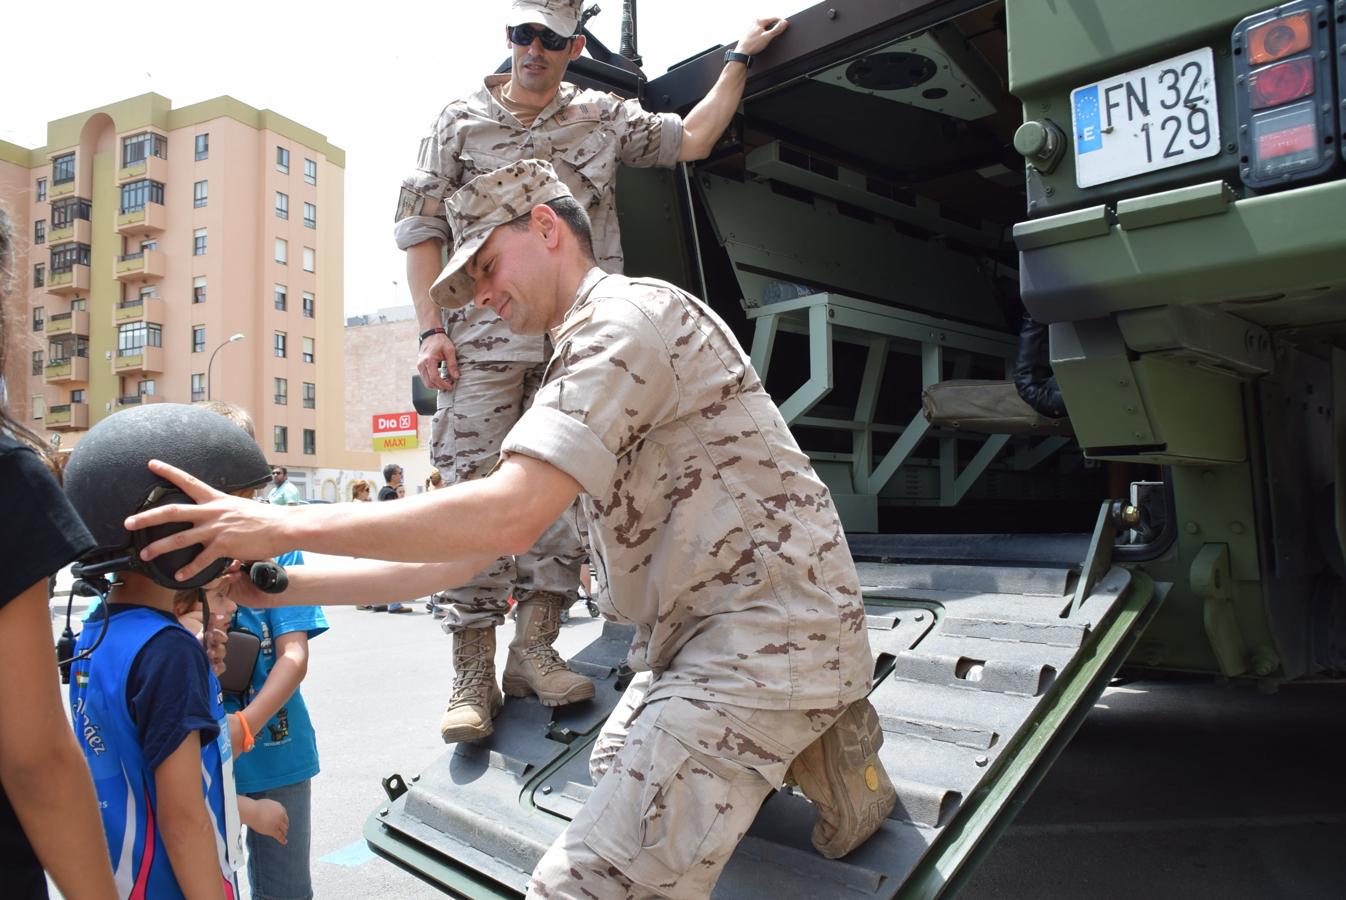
533, 667
841, 773
476, 699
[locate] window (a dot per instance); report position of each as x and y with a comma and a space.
39, 406
310, 171
309, 258
132, 339
145, 388
77, 396
39, 275
198, 386
198, 339
308, 305
282, 205
282, 391
308, 349
138, 147
148, 292
202, 146
310, 395
310, 215
136, 194
39, 318
310, 441
38, 362
40, 230
63, 169
282, 251
41, 189
283, 160
66, 210
280, 344
280, 297
199, 194
79, 305
280, 439
199, 242
66, 256
199, 289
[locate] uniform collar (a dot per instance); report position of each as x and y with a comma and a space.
564, 94
579, 310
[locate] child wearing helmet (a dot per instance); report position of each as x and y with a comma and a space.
147, 709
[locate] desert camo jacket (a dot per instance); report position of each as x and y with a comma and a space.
714, 534
584, 134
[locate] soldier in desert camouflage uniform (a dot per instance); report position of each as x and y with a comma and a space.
718, 541
491, 374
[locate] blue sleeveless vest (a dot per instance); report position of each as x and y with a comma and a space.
125, 785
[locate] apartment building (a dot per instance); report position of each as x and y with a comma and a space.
179, 255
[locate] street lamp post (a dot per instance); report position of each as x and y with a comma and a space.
233, 338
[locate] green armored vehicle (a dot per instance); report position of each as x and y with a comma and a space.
1159, 186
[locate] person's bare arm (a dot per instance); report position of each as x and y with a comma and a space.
289, 669
424, 263
184, 822
709, 118
265, 817
504, 513
41, 765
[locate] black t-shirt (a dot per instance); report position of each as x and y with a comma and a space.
42, 534
387, 492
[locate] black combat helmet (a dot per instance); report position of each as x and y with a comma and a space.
107, 479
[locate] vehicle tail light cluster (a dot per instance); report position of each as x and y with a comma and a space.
1285, 94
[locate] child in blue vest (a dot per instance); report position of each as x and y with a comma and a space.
148, 711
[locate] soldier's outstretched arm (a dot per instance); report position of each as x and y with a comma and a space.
502, 514
709, 118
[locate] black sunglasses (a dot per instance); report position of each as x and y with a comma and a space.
523, 35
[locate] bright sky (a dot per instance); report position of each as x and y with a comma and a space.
371, 78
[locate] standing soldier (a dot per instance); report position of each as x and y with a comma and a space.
719, 542
490, 375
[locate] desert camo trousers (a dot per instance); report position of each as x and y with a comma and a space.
677, 783
465, 439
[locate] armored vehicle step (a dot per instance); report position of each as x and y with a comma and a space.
983, 673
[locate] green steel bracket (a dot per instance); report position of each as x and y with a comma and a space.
1213, 582
431, 867
1099, 558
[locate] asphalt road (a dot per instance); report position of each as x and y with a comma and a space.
1171, 789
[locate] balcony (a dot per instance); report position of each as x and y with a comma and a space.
74, 280
152, 167
148, 309
67, 417
146, 359
79, 231
151, 218
138, 400
70, 369
139, 266
75, 322
57, 191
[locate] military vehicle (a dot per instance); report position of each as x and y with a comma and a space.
1158, 183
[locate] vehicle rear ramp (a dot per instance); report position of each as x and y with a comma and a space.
986, 664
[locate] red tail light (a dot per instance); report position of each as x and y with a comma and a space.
1281, 83
1279, 38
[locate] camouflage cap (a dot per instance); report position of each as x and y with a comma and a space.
478, 207
561, 16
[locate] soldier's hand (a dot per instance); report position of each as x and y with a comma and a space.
760, 34
435, 349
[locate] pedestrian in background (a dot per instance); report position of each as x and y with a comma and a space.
282, 492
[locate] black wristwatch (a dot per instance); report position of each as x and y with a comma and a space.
735, 56
429, 331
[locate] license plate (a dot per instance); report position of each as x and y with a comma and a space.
1145, 120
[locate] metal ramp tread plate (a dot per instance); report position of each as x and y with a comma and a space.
965, 670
